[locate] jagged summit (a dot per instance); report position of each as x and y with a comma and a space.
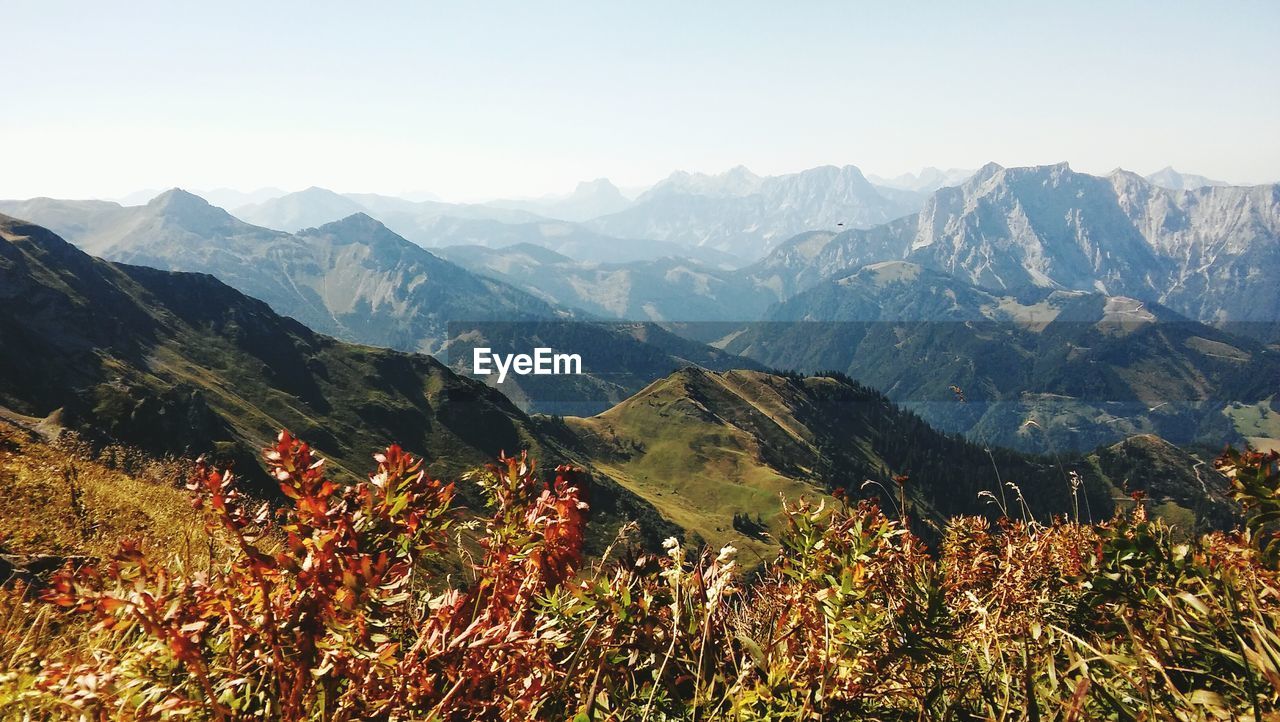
736, 181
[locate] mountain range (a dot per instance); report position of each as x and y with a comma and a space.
1205, 253
181, 363
318, 206
746, 215
1082, 248
569, 239
432, 224
357, 280
588, 200
353, 278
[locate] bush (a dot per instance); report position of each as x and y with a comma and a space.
329, 609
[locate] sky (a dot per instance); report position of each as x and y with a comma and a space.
478, 100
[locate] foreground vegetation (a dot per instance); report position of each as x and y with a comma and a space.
329, 609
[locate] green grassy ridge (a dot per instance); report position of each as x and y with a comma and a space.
704, 446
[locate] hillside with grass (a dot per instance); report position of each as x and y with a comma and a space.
61, 499
717, 452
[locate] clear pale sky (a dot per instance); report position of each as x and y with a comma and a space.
484, 99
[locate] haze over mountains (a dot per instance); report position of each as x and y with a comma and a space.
927, 180
221, 197
316, 206
590, 199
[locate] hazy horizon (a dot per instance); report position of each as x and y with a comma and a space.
501, 100
143, 195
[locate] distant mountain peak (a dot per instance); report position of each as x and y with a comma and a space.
1122, 178
1169, 178
592, 184
844, 171
987, 172
177, 197
359, 219
362, 228
597, 187
308, 208
187, 209
736, 181
318, 192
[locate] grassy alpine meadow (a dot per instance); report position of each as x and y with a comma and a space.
327, 608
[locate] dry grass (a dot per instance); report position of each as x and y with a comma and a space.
61, 503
